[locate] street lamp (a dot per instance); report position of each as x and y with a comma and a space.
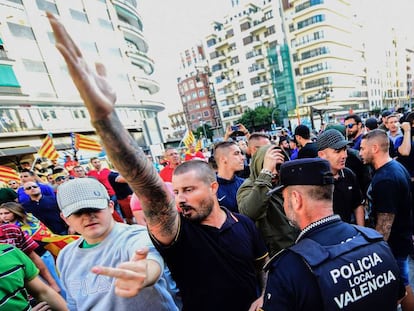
324, 92
200, 119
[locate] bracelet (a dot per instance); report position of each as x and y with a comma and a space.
267, 172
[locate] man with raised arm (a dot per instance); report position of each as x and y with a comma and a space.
214, 256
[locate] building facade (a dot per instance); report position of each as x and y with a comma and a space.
37, 96
239, 53
197, 91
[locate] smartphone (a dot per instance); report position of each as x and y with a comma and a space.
234, 128
278, 165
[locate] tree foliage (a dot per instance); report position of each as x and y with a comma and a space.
200, 131
259, 118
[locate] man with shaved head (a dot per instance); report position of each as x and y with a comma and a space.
390, 201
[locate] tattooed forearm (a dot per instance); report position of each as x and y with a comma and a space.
384, 224
164, 218
131, 162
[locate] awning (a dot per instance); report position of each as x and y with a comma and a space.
29, 150
17, 151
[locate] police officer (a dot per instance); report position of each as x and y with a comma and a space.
333, 265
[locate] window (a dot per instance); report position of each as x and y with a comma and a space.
47, 6
247, 40
211, 42
79, 16
34, 66
206, 113
194, 95
21, 31
201, 93
311, 20
105, 24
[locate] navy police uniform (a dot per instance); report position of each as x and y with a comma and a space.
333, 265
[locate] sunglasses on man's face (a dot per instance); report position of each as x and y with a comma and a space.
60, 178
31, 187
350, 125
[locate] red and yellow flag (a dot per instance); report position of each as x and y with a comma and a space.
7, 173
48, 149
40, 233
86, 143
199, 145
188, 138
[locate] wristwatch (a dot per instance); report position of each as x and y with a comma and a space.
267, 172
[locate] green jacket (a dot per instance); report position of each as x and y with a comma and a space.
266, 211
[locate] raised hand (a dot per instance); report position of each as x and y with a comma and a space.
92, 85
132, 276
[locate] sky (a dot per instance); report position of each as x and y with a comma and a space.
171, 26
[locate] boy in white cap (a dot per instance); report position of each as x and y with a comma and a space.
122, 249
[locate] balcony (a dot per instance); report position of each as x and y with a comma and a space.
135, 35
152, 86
141, 60
127, 9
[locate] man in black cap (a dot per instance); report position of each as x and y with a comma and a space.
308, 148
333, 265
347, 197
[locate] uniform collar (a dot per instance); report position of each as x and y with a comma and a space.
317, 224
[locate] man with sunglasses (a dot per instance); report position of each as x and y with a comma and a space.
354, 130
27, 175
14, 185
44, 208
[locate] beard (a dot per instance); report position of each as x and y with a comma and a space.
291, 215
200, 213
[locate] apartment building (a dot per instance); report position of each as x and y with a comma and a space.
241, 51
328, 59
197, 92
36, 94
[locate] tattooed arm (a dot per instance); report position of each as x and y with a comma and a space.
384, 224
129, 159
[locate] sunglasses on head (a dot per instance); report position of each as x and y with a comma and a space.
31, 187
350, 125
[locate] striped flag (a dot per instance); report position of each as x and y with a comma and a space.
7, 173
189, 138
40, 233
199, 145
48, 149
86, 143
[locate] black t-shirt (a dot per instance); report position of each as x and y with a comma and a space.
347, 195
390, 192
122, 190
310, 150
215, 268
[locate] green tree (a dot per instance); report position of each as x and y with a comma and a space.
259, 118
200, 131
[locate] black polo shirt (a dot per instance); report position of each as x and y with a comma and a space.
347, 195
215, 268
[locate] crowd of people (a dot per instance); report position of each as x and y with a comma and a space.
297, 221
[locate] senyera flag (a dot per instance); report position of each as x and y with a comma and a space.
7, 174
86, 143
189, 138
48, 149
